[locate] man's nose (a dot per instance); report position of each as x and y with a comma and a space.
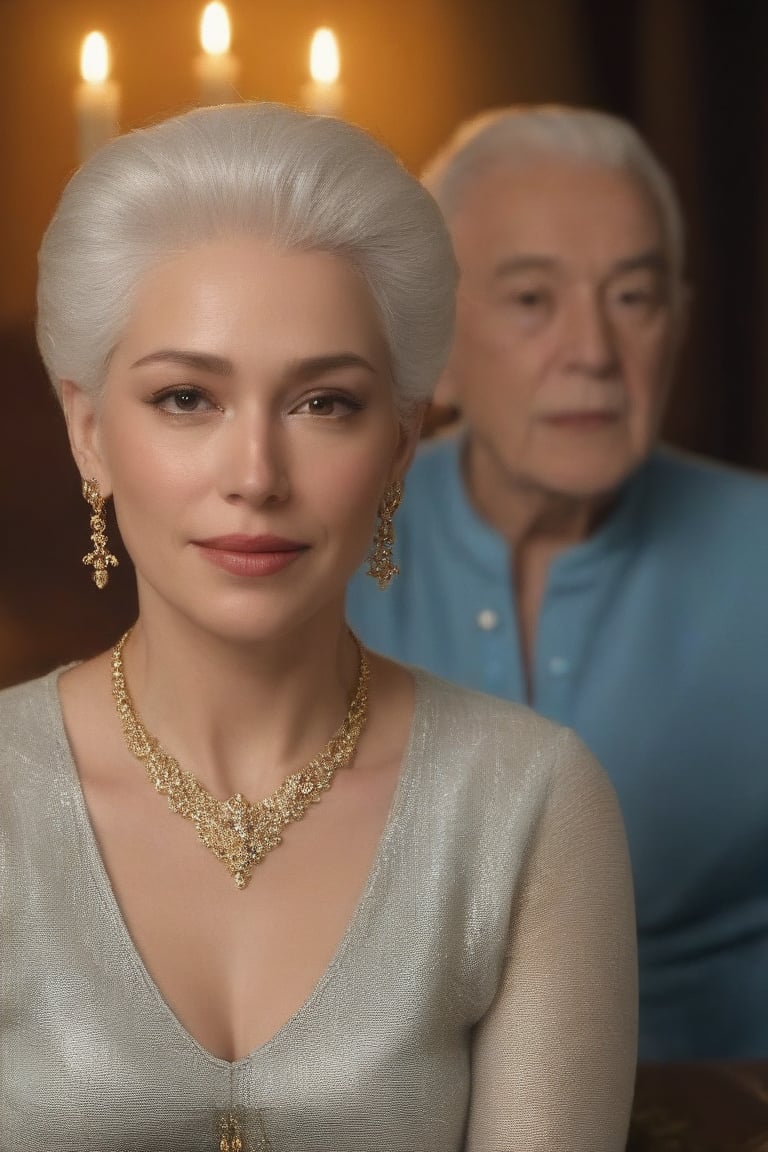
591, 339
254, 459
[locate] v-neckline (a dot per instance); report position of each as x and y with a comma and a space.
349, 936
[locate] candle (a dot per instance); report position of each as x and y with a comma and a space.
97, 98
217, 69
323, 93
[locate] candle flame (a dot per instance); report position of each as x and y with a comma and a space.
215, 33
324, 57
94, 58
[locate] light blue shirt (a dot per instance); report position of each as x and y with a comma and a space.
652, 643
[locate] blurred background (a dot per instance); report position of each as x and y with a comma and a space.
691, 75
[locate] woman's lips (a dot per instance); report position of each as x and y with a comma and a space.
251, 555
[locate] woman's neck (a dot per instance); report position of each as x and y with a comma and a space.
240, 716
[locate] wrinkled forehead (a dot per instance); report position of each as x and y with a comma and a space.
566, 210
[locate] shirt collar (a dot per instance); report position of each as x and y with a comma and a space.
618, 532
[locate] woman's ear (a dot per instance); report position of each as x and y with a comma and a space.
81, 415
408, 442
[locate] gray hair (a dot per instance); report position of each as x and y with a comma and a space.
525, 133
306, 182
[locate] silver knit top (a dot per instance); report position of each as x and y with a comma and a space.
482, 998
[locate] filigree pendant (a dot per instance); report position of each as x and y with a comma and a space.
232, 1137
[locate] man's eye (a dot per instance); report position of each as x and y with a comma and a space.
633, 298
642, 298
532, 299
528, 309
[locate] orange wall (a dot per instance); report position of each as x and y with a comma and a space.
410, 68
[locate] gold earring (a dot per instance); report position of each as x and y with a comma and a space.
101, 558
380, 564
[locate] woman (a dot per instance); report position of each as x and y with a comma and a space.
243, 311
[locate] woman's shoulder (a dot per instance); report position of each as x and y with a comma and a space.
488, 773
452, 703
29, 720
500, 738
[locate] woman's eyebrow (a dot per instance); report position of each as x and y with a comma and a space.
300, 370
203, 361
312, 366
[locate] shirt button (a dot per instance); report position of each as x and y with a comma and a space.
559, 666
487, 620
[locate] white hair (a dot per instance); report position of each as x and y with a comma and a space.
306, 182
523, 134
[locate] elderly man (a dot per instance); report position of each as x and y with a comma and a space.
551, 554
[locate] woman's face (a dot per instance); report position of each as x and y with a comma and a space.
247, 431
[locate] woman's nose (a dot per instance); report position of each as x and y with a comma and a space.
254, 460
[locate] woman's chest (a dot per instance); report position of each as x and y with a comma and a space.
232, 964
371, 1051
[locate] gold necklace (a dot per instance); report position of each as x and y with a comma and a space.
240, 833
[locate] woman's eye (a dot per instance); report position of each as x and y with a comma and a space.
182, 400
328, 404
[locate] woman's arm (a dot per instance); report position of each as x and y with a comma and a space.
553, 1060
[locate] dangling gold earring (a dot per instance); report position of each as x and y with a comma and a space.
101, 558
380, 564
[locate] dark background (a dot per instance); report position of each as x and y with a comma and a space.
691, 75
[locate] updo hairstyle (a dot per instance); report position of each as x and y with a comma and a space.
304, 182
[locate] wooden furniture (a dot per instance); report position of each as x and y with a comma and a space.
717, 1107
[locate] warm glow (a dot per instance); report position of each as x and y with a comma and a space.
214, 29
324, 57
94, 58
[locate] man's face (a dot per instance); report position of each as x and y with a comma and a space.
568, 321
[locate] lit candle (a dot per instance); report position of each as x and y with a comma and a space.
323, 93
217, 69
97, 98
